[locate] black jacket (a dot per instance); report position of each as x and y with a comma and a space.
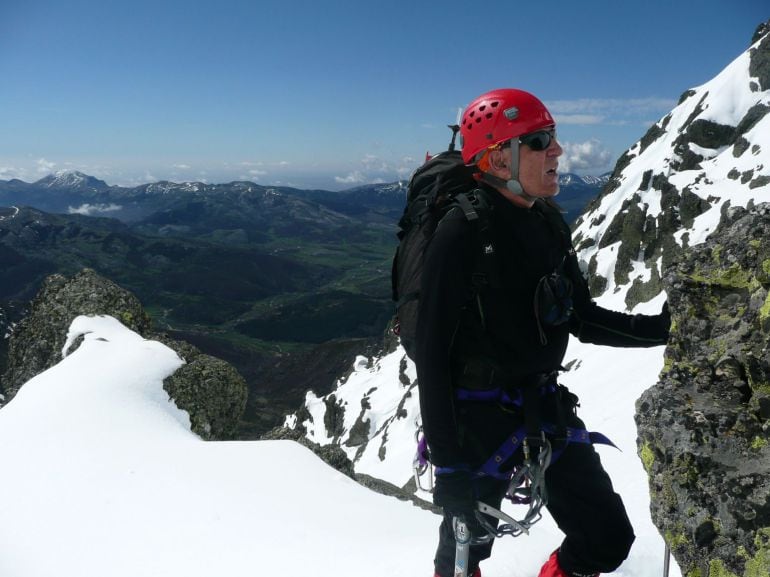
464, 325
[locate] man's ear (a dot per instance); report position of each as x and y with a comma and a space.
498, 160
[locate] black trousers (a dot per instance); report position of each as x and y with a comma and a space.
581, 499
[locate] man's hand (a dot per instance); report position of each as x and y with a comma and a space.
653, 326
454, 492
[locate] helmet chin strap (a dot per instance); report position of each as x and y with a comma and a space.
512, 184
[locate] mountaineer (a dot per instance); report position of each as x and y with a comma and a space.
490, 341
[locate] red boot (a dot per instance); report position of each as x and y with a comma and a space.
553, 569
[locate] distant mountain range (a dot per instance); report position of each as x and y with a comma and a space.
263, 276
72, 192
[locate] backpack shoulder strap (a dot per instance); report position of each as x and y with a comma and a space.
477, 209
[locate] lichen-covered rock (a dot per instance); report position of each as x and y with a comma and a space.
704, 429
212, 392
37, 341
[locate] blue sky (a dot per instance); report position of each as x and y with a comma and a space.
338, 93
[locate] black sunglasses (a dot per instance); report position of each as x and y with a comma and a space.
539, 140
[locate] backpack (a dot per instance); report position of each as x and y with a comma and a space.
441, 184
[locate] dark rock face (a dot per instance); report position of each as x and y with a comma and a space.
760, 56
704, 429
209, 389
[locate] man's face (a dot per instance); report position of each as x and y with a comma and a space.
538, 168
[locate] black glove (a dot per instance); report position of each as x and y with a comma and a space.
653, 327
664, 319
454, 492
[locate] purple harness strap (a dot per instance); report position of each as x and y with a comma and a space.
491, 467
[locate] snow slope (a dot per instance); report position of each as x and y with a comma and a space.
102, 476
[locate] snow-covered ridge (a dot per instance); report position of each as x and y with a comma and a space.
711, 151
106, 478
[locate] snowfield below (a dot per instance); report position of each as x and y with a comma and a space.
104, 478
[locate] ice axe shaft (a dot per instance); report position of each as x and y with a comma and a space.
462, 546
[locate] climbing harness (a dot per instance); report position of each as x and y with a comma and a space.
526, 482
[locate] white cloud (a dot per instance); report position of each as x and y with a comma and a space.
374, 169
181, 166
91, 209
355, 177
589, 156
610, 111
11, 172
580, 119
373, 163
45, 166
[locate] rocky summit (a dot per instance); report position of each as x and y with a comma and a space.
703, 429
209, 389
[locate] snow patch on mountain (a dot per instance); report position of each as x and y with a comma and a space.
712, 148
570, 179
72, 179
7, 213
376, 404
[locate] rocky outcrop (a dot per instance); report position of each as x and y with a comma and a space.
37, 341
212, 392
704, 429
209, 389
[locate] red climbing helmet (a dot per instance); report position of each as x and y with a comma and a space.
498, 116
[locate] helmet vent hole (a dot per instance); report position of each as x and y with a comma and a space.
494, 104
489, 115
482, 108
